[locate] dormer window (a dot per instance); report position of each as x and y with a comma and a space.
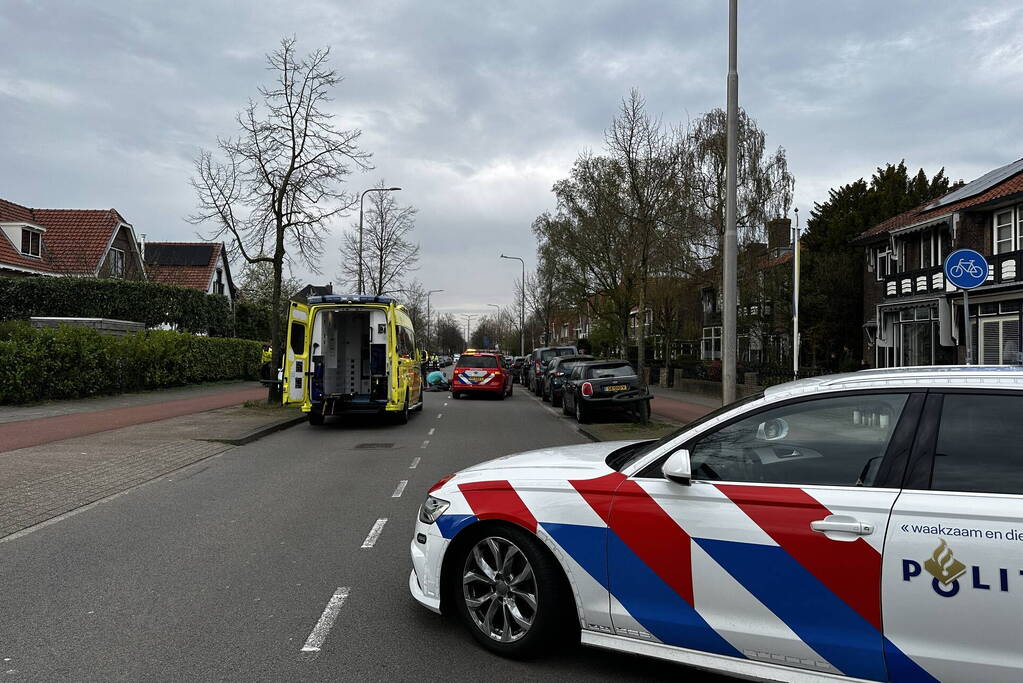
31, 242
116, 260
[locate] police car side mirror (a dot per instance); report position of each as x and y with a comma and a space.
677, 468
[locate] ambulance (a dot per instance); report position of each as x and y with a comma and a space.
352, 354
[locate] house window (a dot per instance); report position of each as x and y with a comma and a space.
882, 263
31, 242
218, 286
1003, 232
116, 260
711, 349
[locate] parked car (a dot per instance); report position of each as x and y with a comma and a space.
863, 525
554, 378
480, 373
516, 368
538, 363
605, 385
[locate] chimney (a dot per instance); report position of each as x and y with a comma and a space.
779, 234
142, 246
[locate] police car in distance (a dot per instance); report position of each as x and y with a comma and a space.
865, 526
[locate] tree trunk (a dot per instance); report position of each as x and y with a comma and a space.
276, 391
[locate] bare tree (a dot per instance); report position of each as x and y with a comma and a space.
277, 185
389, 255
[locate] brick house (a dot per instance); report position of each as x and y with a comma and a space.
196, 265
914, 317
83, 242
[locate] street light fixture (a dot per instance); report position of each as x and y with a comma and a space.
432, 291
522, 307
362, 289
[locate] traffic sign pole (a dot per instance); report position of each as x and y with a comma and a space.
966, 269
966, 326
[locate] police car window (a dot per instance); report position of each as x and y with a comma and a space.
477, 362
613, 371
977, 450
829, 441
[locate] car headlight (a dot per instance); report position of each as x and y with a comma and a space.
431, 509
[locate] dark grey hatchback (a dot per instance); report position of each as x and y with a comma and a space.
605, 385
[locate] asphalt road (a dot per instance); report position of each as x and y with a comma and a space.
222, 570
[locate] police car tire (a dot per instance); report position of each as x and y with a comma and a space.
555, 620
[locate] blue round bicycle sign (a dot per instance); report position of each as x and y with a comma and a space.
966, 268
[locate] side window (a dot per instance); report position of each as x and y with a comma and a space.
297, 338
404, 342
836, 441
978, 449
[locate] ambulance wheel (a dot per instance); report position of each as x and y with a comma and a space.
315, 417
402, 417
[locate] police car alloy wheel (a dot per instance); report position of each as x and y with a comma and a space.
511, 594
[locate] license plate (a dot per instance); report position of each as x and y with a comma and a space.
617, 387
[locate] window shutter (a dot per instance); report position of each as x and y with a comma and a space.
1010, 342
992, 344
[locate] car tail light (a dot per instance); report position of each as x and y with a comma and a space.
587, 389
440, 483
559, 374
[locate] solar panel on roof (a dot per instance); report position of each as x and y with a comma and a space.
981, 184
179, 254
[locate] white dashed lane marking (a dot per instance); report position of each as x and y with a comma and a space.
426, 443
374, 533
400, 489
440, 415
319, 633
432, 430
415, 464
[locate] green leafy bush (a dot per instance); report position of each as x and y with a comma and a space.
145, 302
71, 362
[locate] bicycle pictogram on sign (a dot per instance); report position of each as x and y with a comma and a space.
966, 268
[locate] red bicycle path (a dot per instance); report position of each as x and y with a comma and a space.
35, 432
678, 411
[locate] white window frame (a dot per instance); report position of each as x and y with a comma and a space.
882, 256
712, 335
38, 237
114, 270
1011, 225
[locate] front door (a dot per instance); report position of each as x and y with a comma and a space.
774, 552
296, 356
953, 563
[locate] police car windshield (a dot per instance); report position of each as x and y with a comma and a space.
623, 457
477, 362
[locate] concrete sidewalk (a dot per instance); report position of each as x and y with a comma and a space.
25, 426
41, 482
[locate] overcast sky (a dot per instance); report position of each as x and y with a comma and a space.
475, 108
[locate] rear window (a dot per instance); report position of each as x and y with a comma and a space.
547, 354
611, 371
477, 362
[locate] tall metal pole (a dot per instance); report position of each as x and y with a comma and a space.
795, 297
730, 250
428, 321
522, 306
362, 289
468, 321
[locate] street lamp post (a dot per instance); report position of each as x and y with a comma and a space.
468, 322
730, 247
432, 291
497, 320
362, 289
522, 306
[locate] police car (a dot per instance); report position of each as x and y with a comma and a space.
866, 526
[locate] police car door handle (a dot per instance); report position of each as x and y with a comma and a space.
842, 524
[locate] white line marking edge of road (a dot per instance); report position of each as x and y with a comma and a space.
415, 463
319, 633
400, 488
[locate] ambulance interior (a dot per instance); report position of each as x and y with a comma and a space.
349, 353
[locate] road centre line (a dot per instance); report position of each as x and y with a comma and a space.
426, 442
400, 489
445, 403
319, 633
440, 415
432, 430
415, 464
374, 533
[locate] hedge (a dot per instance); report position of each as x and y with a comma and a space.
72, 362
145, 302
